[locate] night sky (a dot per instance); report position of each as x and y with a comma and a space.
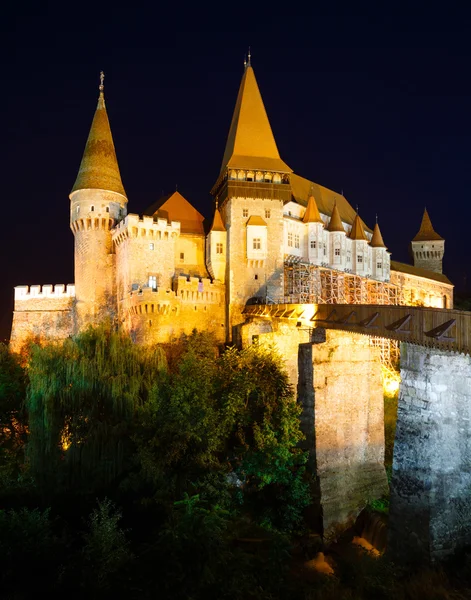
376, 106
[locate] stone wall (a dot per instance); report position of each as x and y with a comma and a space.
346, 414
418, 291
337, 376
162, 316
249, 278
430, 514
42, 314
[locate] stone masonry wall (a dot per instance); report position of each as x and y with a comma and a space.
42, 314
430, 514
338, 379
346, 414
241, 272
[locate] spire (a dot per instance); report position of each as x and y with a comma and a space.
377, 239
335, 223
357, 232
250, 143
312, 214
217, 225
426, 231
99, 167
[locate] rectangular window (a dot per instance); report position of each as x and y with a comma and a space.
151, 246
359, 258
245, 212
107, 209
267, 213
325, 250
92, 208
349, 258
257, 243
337, 251
256, 276
218, 248
379, 265
153, 282
313, 244
296, 241
78, 209
290, 239
182, 256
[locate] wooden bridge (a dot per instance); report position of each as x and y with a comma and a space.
430, 327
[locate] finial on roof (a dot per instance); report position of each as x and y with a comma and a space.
356, 208
102, 83
376, 217
249, 58
245, 61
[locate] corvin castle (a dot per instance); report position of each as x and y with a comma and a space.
274, 237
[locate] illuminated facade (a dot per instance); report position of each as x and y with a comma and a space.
274, 237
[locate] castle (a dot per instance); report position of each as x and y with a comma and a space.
274, 237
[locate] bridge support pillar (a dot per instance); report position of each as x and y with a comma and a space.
341, 391
430, 514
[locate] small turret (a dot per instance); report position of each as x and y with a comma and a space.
380, 256
216, 247
315, 232
97, 202
428, 247
361, 255
336, 240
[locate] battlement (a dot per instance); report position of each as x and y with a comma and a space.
135, 226
34, 292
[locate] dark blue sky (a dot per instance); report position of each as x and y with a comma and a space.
376, 105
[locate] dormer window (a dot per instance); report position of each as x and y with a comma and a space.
219, 248
257, 244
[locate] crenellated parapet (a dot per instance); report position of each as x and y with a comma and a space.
42, 313
194, 290
43, 293
135, 226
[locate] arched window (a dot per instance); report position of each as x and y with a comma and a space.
259, 176
276, 178
92, 208
445, 301
250, 176
232, 174
241, 175
268, 177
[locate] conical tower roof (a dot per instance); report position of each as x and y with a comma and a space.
312, 214
357, 232
426, 231
250, 143
377, 239
335, 223
99, 167
217, 225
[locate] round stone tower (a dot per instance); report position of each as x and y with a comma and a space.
428, 247
97, 202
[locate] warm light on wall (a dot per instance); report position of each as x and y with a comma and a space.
391, 380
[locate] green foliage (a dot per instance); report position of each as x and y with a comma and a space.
106, 548
12, 418
380, 505
82, 399
26, 539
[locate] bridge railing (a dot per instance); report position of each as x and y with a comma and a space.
432, 327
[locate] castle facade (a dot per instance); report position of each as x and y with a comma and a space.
274, 237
